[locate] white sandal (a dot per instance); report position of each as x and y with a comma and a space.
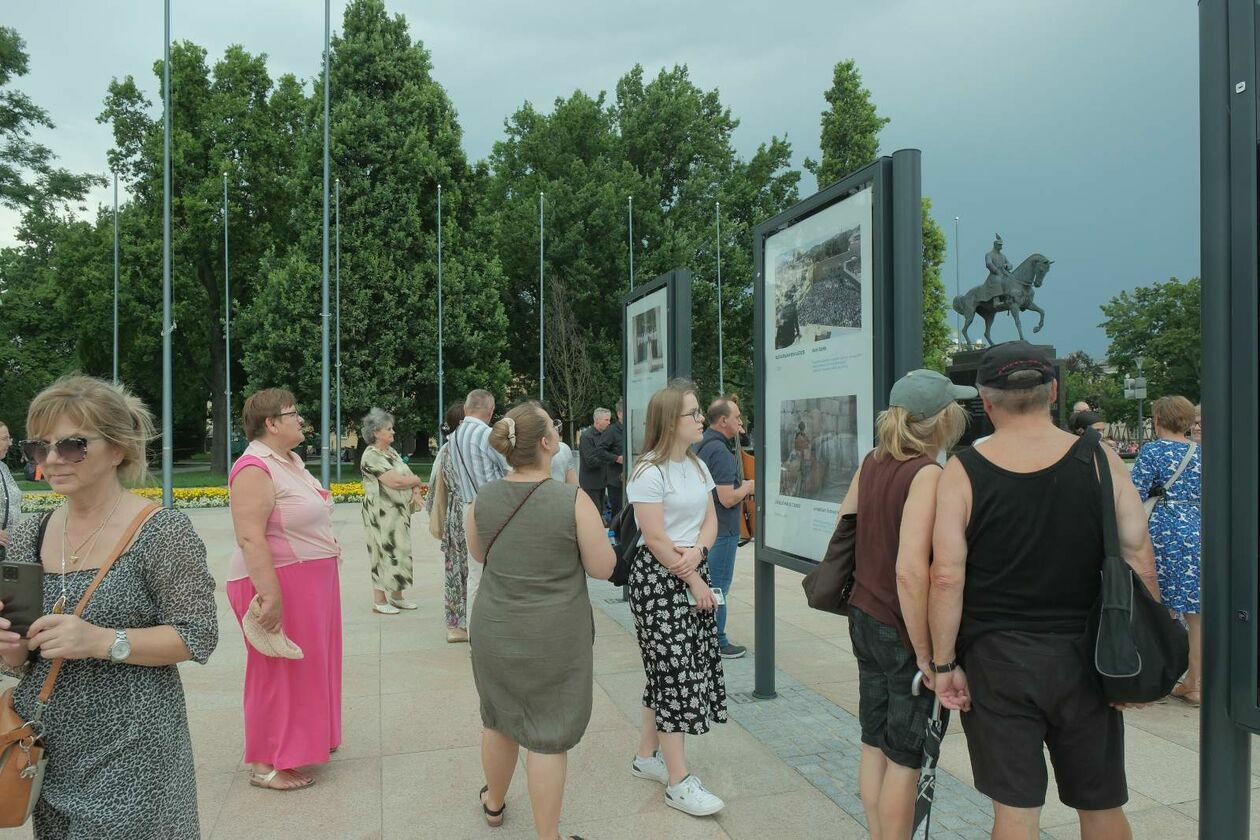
385, 609
264, 780
403, 604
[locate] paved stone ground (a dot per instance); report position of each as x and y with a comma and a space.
787, 767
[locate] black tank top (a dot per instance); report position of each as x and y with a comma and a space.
1034, 546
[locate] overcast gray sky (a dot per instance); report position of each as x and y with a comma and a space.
1069, 126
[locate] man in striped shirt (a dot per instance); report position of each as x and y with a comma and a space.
476, 463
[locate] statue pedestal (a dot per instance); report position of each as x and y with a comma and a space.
962, 371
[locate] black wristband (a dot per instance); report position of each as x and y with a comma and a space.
943, 669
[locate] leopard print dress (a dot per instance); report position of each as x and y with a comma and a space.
120, 761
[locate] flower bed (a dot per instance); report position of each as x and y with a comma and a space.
192, 497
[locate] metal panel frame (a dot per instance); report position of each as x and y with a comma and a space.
678, 323
897, 343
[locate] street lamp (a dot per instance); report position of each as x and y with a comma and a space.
1135, 389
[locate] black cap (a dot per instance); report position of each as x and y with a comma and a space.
1001, 360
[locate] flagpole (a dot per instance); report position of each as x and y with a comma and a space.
168, 495
338, 295
441, 370
227, 327
630, 237
542, 374
115, 278
324, 362
721, 365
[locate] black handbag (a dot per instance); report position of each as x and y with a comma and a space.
828, 587
626, 528
1139, 649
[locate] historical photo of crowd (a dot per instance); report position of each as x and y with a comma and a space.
818, 289
818, 447
648, 355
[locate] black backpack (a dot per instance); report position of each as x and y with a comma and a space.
627, 543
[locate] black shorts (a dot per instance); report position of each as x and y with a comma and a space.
1032, 689
893, 720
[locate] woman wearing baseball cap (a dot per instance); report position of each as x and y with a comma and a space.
893, 495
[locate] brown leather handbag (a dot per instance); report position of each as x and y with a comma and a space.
829, 586
22, 754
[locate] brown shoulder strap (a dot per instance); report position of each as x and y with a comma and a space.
51, 680
512, 516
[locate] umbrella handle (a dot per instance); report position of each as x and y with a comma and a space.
916, 684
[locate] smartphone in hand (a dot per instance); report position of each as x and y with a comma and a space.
22, 593
718, 597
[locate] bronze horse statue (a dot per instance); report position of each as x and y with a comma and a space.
1015, 296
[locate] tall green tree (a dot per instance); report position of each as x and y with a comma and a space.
35, 344
395, 137
1159, 324
231, 119
850, 127
849, 141
28, 172
667, 143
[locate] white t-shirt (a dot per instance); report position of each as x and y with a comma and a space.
562, 462
682, 488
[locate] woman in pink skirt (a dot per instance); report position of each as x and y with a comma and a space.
286, 555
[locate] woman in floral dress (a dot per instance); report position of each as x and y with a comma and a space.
1174, 522
454, 543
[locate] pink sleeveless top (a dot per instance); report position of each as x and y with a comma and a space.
300, 526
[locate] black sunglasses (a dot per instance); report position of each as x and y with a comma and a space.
71, 450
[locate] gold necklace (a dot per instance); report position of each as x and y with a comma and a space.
60, 605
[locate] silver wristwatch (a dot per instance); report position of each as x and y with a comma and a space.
121, 648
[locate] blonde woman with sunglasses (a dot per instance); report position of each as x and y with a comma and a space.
116, 729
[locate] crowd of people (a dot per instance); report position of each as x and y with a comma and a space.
975, 571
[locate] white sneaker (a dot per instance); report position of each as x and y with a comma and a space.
691, 797
651, 768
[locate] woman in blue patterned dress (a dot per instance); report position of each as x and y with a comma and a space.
1174, 523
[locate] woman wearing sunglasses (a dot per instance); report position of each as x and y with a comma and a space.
116, 730
287, 558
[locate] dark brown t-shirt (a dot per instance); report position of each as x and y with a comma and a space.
883, 486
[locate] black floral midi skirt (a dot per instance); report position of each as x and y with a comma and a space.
685, 684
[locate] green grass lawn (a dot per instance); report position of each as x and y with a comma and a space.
208, 479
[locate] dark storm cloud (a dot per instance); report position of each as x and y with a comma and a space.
1069, 127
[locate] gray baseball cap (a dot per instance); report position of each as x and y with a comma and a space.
926, 393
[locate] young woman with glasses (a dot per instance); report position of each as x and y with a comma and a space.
671, 601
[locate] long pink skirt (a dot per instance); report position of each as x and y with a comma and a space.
293, 706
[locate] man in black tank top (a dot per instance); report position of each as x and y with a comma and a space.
1017, 553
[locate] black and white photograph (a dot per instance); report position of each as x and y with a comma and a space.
818, 289
648, 354
818, 444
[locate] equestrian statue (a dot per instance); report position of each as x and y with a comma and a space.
1004, 290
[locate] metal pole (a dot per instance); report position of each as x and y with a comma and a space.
957, 276
1227, 185
630, 238
338, 284
168, 495
324, 366
721, 359
1140, 400
542, 308
115, 278
227, 327
441, 370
